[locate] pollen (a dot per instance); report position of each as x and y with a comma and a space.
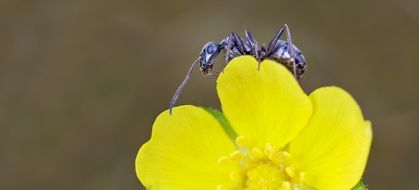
286, 185
236, 155
267, 167
290, 171
242, 141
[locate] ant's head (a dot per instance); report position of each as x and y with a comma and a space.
207, 57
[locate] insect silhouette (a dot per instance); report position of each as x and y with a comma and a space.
281, 51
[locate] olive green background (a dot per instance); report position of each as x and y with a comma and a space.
81, 81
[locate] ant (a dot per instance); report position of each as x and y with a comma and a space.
281, 51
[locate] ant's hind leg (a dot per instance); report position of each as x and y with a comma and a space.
273, 44
291, 47
240, 44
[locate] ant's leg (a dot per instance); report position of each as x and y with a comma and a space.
291, 47
229, 47
180, 88
232, 47
274, 41
240, 43
253, 43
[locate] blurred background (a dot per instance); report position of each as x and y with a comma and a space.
82, 81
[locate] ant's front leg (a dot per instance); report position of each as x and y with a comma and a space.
232, 50
228, 49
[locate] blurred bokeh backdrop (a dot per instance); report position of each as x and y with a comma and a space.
82, 81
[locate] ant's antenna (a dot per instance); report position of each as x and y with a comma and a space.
180, 88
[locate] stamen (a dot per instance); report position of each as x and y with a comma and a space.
286, 155
286, 185
276, 157
261, 168
269, 151
257, 153
242, 141
290, 171
236, 155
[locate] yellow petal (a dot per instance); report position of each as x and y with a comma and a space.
333, 149
266, 105
183, 152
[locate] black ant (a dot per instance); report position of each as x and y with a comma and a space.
233, 46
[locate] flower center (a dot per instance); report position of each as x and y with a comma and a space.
264, 176
261, 169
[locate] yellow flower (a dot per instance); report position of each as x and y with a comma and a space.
284, 139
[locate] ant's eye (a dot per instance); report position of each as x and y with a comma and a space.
211, 49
